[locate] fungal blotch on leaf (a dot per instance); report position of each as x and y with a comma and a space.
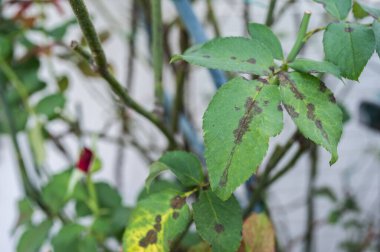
219, 228
178, 202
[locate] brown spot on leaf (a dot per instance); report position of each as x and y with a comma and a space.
251, 109
178, 202
233, 58
175, 215
150, 238
319, 125
348, 29
219, 228
296, 92
157, 227
251, 61
310, 111
158, 218
292, 112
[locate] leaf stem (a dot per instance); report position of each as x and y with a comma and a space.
88, 29
269, 19
300, 37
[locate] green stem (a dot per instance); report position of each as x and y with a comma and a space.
157, 49
93, 196
269, 20
80, 11
300, 37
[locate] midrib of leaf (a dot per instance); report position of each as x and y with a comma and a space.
353, 52
232, 153
212, 207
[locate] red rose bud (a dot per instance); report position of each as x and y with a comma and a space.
85, 159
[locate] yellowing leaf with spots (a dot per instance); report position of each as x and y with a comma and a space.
218, 222
237, 125
156, 222
258, 234
313, 108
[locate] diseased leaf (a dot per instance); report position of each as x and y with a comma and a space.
236, 54
237, 125
32, 239
313, 108
185, 166
337, 8
258, 234
218, 222
265, 35
376, 30
156, 222
349, 46
312, 66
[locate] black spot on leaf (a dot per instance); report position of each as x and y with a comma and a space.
233, 58
178, 202
264, 81
348, 29
310, 111
332, 98
266, 103
150, 238
291, 111
206, 56
219, 228
158, 218
279, 107
157, 227
175, 215
251, 61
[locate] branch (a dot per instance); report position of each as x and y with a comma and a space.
88, 29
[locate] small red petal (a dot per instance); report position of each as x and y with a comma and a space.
85, 159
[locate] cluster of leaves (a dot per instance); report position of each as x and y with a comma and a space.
242, 117
106, 224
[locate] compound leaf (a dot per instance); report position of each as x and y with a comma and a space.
156, 222
237, 125
218, 222
236, 54
265, 35
337, 8
349, 46
313, 109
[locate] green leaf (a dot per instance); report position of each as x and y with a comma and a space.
63, 83
313, 108
236, 54
358, 11
55, 191
108, 196
158, 186
25, 213
156, 222
73, 237
185, 166
51, 105
337, 8
312, 66
155, 169
349, 46
376, 30
237, 125
20, 120
59, 32
218, 222
374, 12
265, 35
32, 239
